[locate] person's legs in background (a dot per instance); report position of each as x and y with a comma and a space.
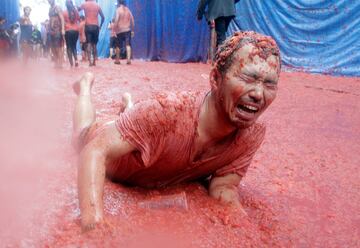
221, 26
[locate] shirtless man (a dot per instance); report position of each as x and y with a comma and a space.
184, 136
124, 26
57, 32
92, 11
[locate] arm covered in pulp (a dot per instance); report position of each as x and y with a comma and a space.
105, 147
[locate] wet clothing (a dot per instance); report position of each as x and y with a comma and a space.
92, 34
125, 21
163, 130
221, 26
56, 39
216, 8
220, 11
91, 10
26, 33
123, 39
113, 42
71, 25
71, 37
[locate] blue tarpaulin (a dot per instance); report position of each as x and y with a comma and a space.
320, 36
10, 10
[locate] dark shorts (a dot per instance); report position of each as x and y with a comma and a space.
83, 46
56, 40
92, 34
122, 38
113, 42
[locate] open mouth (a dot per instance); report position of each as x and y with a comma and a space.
247, 108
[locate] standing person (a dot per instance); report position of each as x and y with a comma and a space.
124, 25
220, 11
36, 42
82, 38
4, 39
57, 32
26, 28
71, 18
92, 11
44, 37
111, 27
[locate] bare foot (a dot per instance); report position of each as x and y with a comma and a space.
126, 98
84, 85
126, 102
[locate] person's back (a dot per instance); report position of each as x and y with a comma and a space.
125, 20
91, 10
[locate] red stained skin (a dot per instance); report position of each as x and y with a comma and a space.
300, 191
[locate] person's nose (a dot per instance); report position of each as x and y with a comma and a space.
257, 93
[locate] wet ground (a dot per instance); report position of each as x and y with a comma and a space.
302, 189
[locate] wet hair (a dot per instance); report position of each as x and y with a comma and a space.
26, 7
121, 2
225, 54
71, 11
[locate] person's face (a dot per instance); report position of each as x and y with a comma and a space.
248, 87
27, 11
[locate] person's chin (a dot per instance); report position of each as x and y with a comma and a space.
242, 123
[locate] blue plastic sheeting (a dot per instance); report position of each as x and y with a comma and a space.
10, 10
319, 36
164, 30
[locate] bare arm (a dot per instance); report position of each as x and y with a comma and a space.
102, 17
91, 174
62, 20
132, 22
224, 188
116, 17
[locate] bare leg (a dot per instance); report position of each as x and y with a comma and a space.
126, 98
128, 54
95, 54
117, 58
84, 113
88, 51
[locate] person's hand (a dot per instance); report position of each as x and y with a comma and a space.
228, 195
132, 34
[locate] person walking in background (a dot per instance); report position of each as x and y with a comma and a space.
111, 27
36, 42
71, 18
57, 32
124, 26
26, 28
219, 11
92, 11
82, 38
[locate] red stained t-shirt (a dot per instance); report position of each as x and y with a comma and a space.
91, 10
71, 25
163, 130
